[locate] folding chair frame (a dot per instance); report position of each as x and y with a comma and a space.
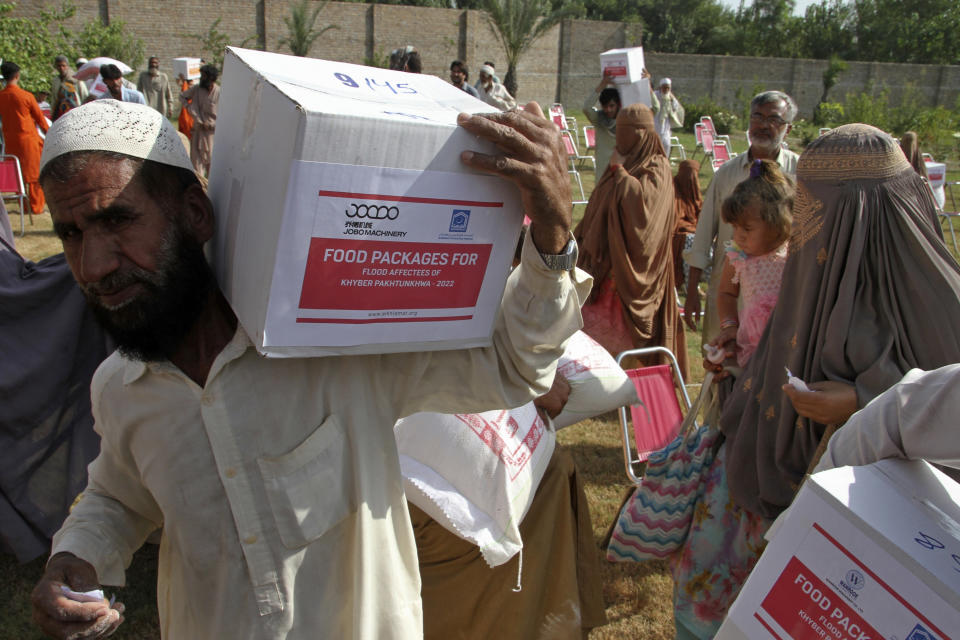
946, 215
675, 144
20, 193
574, 156
629, 459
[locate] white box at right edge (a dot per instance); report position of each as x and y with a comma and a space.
864, 553
346, 222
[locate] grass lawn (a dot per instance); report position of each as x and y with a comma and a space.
638, 596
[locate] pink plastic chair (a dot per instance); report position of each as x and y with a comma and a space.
11, 185
652, 425
706, 138
590, 135
720, 154
707, 122
557, 115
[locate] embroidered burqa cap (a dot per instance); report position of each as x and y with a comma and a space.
132, 129
866, 290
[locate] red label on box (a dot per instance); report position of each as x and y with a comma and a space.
371, 274
615, 70
807, 609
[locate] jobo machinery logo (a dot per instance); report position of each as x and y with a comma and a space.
372, 211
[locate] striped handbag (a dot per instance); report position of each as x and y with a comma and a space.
655, 519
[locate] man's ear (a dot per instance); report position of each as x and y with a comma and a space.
198, 213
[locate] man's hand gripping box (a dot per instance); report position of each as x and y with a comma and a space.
864, 553
346, 222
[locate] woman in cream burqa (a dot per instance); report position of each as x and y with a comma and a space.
869, 292
625, 244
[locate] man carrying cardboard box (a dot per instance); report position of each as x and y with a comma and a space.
276, 481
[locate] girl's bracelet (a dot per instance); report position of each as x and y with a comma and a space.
729, 323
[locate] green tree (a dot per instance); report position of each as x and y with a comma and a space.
113, 40
686, 26
921, 31
831, 74
767, 28
301, 27
213, 43
829, 29
518, 24
34, 43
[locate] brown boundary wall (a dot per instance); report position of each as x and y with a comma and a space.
561, 66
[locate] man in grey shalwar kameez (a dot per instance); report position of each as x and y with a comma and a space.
51, 346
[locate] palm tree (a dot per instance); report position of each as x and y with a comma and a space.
300, 26
517, 24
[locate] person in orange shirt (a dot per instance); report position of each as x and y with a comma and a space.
21, 116
185, 120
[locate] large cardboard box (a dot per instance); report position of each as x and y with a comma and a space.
624, 65
189, 68
864, 553
346, 222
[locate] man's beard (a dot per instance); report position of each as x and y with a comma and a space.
151, 325
769, 144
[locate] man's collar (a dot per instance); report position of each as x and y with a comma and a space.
136, 369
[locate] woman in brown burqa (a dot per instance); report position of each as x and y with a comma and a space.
687, 204
866, 288
625, 241
910, 145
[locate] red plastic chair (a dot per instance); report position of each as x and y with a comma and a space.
706, 141
651, 426
11, 185
590, 135
707, 122
720, 154
557, 115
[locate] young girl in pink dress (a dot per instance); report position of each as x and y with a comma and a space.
759, 209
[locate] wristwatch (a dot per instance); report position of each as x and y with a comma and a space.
564, 261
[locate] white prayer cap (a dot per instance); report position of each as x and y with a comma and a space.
487, 69
129, 128
666, 82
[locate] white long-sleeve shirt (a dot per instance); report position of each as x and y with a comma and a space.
277, 484
497, 96
915, 418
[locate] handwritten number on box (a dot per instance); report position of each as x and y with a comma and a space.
373, 85
932, 544
345, 79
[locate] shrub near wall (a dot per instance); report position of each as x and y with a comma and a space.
724, 119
